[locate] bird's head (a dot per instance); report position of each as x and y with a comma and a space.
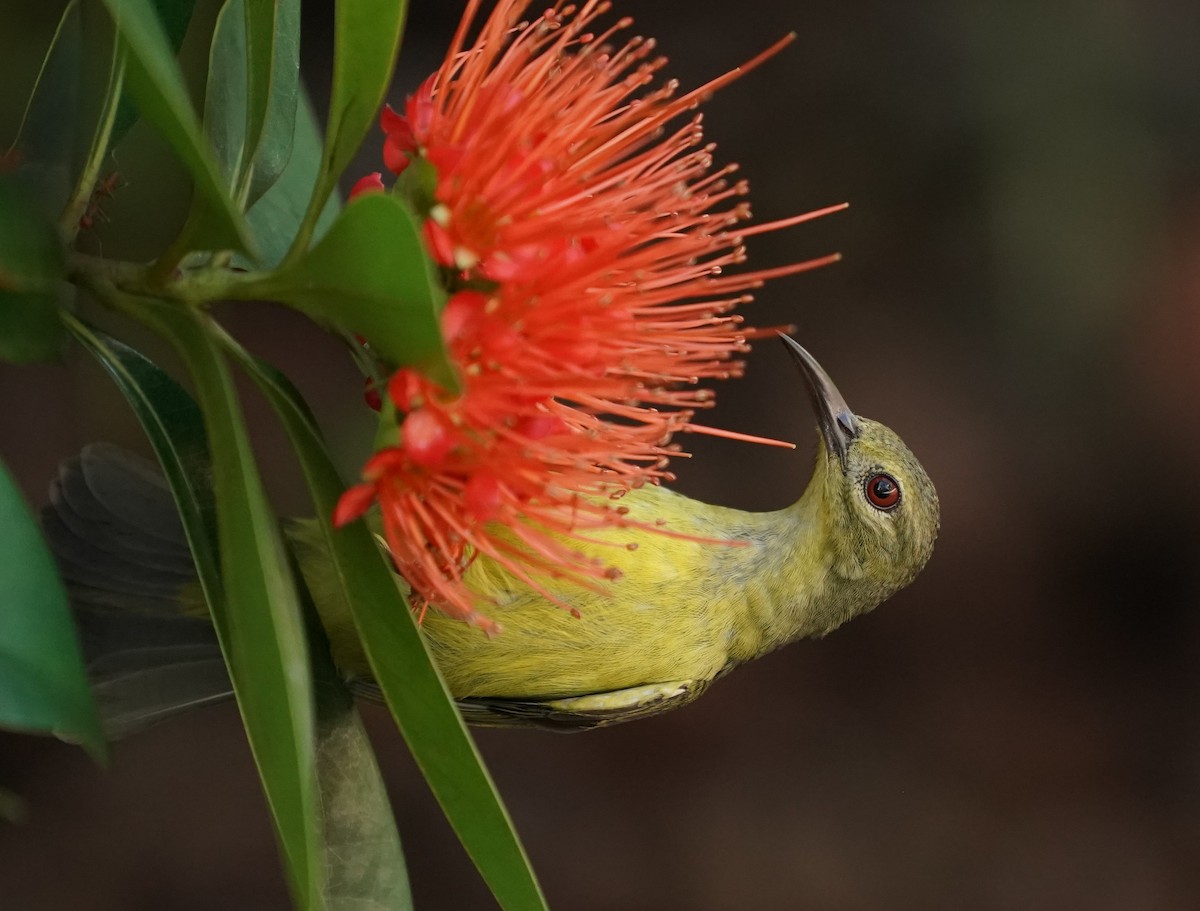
879, 507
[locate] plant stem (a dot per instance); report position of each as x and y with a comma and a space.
197, 287
81, 196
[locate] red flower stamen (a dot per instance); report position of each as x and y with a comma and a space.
591, 296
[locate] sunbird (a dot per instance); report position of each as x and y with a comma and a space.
727, 586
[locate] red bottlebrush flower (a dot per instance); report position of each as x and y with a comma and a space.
588, 249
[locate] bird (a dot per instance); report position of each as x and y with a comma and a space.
724, 587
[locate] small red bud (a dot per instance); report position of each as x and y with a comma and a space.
371, 395
462, 314
372, 183
404, 388
427, 439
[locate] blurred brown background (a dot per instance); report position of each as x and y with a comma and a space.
1021, 300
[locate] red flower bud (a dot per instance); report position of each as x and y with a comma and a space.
372, 183
427, 438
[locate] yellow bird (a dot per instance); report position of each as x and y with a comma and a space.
682, 613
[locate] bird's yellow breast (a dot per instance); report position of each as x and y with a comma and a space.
671, 615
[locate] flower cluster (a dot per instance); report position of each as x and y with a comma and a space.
586, 240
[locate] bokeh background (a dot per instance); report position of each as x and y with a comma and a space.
1020, 298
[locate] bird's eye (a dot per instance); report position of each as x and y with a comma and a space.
882, 491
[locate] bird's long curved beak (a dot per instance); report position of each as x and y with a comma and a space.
836, 421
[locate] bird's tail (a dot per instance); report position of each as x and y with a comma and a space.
115, 530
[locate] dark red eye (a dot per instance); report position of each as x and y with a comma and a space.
883, 491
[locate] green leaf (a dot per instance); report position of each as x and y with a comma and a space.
258, 25
250, 115
259, 622
366, 42
156, 84
363, 589
370, 275
254, 606
275, 218
225, 94
31, 267
363, 860
174, 16
274, 89
43, 685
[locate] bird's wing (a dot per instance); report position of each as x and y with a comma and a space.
572, 713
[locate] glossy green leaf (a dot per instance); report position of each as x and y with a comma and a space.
273, 27
43, 685
366, 591
363, 860
366, 41
261, 627
275, 218
370, 275
250, 115
174, 16
31, 267
256, 610
156, 85
258, 26
225, 94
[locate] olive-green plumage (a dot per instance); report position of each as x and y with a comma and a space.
684, 611
722, 587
